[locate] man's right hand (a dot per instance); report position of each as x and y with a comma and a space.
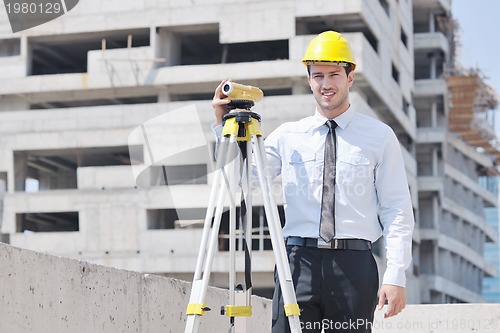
219, 103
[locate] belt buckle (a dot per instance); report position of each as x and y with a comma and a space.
324, 245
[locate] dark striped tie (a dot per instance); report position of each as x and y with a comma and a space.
327, 222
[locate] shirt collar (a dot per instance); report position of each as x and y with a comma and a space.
342, 120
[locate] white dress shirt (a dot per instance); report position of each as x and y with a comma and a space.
370, 179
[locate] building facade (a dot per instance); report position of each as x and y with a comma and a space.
77, 92
455, 148
491, 285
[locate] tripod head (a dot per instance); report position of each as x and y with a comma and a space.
242, 96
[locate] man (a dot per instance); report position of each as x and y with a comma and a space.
341, 172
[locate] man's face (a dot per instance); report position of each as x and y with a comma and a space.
330, 86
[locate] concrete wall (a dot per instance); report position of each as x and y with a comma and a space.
452, 318
44, 293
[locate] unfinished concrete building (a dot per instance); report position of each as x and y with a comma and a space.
457, 162
73, 90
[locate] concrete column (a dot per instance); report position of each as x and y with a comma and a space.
435, 254
26, 54
434, 122
432, 22
164, 95
433, 59
20, 171
168, 46
435, 212
434, 159
45, 181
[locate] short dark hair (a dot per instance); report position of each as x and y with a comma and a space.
347, 68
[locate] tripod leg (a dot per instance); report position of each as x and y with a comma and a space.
282, 266
243, 296
209, 241
239, 308
249, 220
232, 234
221, 161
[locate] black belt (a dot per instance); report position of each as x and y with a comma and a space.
335, 244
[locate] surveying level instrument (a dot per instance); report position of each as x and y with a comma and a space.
241, 130
241, 95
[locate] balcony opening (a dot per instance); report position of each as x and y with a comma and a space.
255, 51
94, 102
192, 97
404, 38
430, 20
350, 23
52, 55
277, 92
427, 261
431, 112
42, 170
158, 219
395, 73
186, 174
261, 240
406, 106
3, 183
425, 158
385, 6
427, 213
200, 48
429, 64
47, 222
10, 47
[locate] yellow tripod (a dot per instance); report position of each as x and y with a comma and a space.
241, 126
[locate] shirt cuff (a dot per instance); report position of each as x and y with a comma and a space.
395, 277
217, 129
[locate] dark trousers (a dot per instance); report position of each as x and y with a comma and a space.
336, 290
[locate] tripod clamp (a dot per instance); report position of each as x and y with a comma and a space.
241, 123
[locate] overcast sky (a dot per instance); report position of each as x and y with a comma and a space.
480, 35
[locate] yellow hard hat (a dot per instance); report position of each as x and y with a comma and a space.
329, 46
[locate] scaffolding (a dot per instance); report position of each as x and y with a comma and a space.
472, 111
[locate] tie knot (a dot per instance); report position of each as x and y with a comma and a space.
331, 124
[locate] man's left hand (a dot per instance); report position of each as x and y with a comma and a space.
396, 299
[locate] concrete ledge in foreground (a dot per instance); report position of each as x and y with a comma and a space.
41, 293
